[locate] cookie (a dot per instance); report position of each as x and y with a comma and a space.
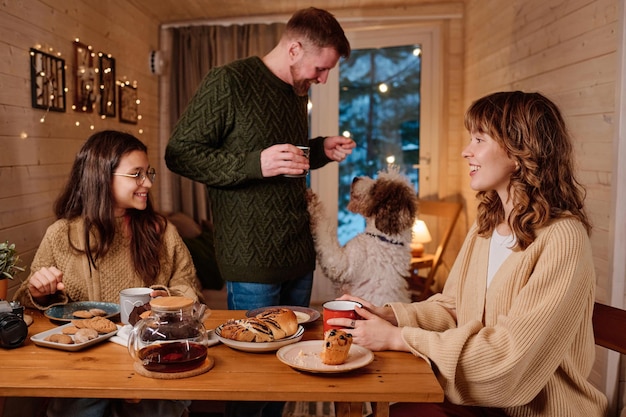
82, 314
85, 335
97, 312
100, 324
70, 330
60, 338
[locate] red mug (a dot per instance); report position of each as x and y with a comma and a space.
339, 308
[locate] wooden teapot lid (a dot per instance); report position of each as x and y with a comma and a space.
170, 303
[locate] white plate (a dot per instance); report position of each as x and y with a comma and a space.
305, 356
259, 346
303, 314
65, 312
38, 339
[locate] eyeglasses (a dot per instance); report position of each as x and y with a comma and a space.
140, 176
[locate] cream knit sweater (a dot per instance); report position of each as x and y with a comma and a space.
115, 270
526, 343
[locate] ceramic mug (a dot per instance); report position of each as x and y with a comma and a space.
131, 298
339, 308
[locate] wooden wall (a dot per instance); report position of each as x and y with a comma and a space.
35, 157
568, 51
565, 49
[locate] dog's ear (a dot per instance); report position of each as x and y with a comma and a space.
394, 206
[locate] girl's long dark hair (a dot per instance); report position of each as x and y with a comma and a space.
88, 194
532, 131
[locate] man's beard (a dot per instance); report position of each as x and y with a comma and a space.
300, 86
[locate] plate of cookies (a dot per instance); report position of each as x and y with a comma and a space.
334, 354
77, 334
82, 310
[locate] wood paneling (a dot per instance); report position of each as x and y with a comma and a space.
569, 52
35, 157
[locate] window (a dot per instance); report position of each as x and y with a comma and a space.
379, 107
411, 138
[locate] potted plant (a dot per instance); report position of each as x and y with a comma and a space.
8, 266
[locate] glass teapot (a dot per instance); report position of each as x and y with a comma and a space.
173, 338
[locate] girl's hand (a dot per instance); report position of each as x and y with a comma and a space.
46, 281
158, 293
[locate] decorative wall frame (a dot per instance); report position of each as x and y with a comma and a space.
108, 104
47, 81
129, 109
85, 75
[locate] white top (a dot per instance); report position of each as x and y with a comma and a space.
499, 249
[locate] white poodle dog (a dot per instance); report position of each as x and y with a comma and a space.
375, 264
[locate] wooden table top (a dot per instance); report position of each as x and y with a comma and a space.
106, 370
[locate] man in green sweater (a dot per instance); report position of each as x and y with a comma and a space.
239, 137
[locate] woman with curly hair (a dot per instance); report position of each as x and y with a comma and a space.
511, 334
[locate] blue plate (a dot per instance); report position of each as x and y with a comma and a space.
65, 312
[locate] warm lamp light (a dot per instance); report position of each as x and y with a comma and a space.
421, 235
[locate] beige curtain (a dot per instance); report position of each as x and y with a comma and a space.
195, 50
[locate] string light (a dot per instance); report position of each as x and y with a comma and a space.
86, 73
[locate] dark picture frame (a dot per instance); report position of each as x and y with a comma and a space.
129, 109
47, 81
85, 92
106, 71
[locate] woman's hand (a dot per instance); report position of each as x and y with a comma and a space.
377, 330
382, 312
46, 281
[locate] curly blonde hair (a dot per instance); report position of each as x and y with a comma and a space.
531, 130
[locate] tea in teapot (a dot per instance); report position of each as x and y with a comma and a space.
172, 339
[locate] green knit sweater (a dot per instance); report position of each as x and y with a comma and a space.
524, 344
261, 225
115, 270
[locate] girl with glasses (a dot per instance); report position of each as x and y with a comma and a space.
108, 237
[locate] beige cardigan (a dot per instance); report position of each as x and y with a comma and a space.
526, 344
115, 270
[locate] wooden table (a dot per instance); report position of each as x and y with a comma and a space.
106, 371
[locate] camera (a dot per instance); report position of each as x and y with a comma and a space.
13, 328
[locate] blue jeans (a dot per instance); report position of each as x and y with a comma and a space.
251, 295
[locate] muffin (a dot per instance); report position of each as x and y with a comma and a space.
336, 347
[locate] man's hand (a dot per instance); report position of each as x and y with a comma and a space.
338, 148
283, 159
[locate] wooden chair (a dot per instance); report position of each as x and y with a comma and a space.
608, 327
440, 217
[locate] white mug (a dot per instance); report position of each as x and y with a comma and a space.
131, 298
